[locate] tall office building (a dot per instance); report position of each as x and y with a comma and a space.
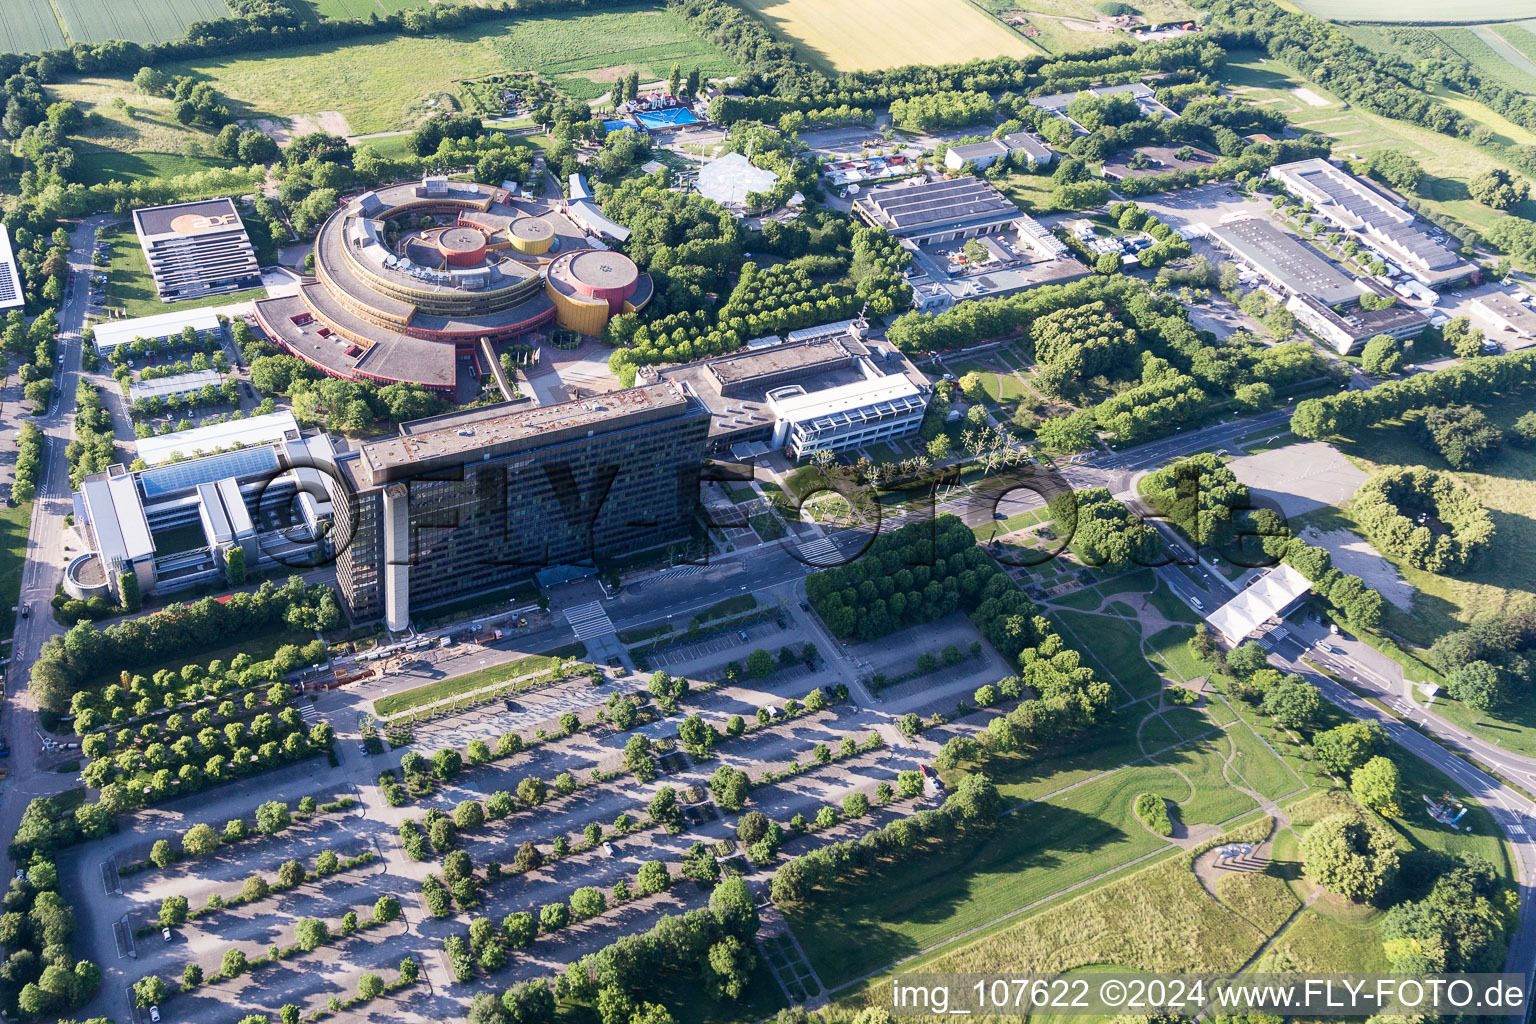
473, 500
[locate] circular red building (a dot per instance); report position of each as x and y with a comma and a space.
461, 246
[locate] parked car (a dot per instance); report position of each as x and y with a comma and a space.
743, 634
165, 933
608, 850
1199, 604
154, 1015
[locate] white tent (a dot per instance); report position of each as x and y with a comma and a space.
1272, 595
728, 180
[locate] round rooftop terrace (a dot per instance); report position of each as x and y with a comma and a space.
600, 273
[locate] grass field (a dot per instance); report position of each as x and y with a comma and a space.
14, 525
863, 34
142, 21
1521, 38
130, 286
1417, 11
1202, 763
1029, 856
111, 165
1261, 770
1116, 644
383, 84
346, 10
30, 26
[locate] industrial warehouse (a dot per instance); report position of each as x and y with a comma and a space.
418, 281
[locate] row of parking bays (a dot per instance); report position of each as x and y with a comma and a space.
679, 654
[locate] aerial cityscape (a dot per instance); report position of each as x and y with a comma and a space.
729, 511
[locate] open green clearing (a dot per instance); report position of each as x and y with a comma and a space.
1202, 764
14, 526
1417, 11
859, 35
1518, 36
1261, 770
347, 10
30, 26
93, 168
1116, 644
1032, 854
1489, 61
141, 21
383, 84
1171, 647
130, 285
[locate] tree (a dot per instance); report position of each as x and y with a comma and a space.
938, 448
665, 811
1497, 188
191, 976
553, 917
532, 791
638, 758
587, 901
290, 874
1346, 747
385, 909
1375, 784
150, 991
1382, 355
173, 911
272, 817
370, 986
730, 964
729, 786
161, 854
1346, 855
855, 805
1477, 685
233, 963
652, 878
1293, 702
311, 932
760, 664
1247, 658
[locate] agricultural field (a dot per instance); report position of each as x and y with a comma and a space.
864, 34
348, 10
1419, 12
30, 26
386, 84
141, 21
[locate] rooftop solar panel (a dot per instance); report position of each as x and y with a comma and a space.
178, 476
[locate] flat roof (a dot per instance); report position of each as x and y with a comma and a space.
907, 209
1296, 267
744, 367
176, 384
138, 542
188, 220
1506, 307
272, 426
499, 429
10, 280
845, 398
112, 333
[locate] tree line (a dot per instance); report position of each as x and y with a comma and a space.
1426, 517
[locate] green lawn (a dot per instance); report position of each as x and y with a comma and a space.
1032, 774
1212, 799
1029, 856
1172, 646
14, 526
1512, 726
453, 686
1261, 770
385, 83
130, 286
94, 168
1116, 644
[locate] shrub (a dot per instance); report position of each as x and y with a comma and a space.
1152, 811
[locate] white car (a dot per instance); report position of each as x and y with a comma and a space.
154, 1015
165, 933
608, 850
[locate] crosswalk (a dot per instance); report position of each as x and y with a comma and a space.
676, 572
820, 551
309, 712
589, 620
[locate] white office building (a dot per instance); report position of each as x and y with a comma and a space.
850, 416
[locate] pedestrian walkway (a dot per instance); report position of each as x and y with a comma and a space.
589, 620
676, 572
821, 551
